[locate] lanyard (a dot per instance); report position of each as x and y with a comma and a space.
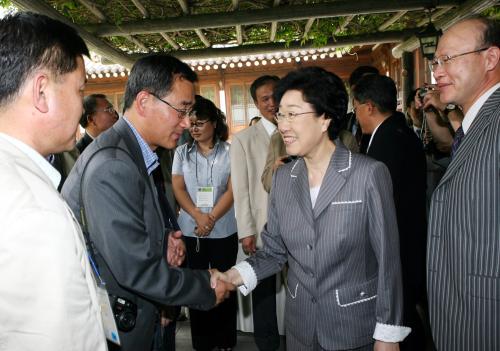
211, 167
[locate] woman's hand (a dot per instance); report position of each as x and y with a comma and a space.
204, 223
385, 346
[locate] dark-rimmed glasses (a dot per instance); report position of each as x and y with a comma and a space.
199, 124
442, 60
181, 112
289, 116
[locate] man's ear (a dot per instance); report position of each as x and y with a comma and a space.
492, 58
141, 102
40, 91
326, 123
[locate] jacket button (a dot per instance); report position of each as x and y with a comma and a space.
313, 300
311, 275
309, 247
362, 294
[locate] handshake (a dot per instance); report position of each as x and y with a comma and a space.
224, 282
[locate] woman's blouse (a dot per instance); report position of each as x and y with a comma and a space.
208, 171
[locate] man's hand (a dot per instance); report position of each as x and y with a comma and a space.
204, 224
176, 249
222, 289
249, 244
231, 276
431, 99
385, 346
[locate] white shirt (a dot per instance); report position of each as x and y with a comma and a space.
373, 134
40, 161
473, 111
269, 126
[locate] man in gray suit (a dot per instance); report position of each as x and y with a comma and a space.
135, 248
464, 225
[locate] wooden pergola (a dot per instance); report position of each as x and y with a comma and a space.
123, 30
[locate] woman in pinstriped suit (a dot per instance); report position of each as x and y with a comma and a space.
332, 219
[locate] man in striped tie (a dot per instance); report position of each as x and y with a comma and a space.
463, 255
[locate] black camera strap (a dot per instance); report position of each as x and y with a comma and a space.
91, 248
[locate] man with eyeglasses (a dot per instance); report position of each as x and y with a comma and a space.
463, 253
98, 116
111, 191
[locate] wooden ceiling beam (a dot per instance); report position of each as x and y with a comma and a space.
391, 20
270, 48
137, 42
470, 7
434, 16
141, 8
239, 35
274, 24
202, 37
170, 41
94, 9
344, 24
261, 16
308, 26
184, 6
95, 44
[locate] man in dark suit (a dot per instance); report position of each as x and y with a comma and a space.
463, 256
396, 145
98, 115
136, 248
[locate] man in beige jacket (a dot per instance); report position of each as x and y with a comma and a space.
48, 299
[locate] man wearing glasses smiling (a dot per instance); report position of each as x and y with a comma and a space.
136, 248
463, 271
98, 116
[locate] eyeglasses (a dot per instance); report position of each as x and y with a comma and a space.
199, 124
289, 116
442, 60
181, 112
109, 109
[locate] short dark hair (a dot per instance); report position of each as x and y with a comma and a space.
324, 90
29, 41
262, 80
378, 89
360, 72
490, 36
89, 107
206, 110
155, 73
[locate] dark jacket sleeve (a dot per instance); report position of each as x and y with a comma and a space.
127, 231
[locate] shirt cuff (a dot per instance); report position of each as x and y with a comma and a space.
248, 276
390, 333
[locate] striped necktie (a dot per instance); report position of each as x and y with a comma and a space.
459, 135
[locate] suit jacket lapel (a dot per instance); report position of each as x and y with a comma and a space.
480, 123
300, 188
134, 149
334, 179
261, 133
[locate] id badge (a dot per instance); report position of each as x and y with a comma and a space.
108, 320
205, 196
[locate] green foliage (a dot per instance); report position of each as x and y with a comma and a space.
5, 3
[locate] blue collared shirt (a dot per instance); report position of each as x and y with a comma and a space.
199, 170
150, 158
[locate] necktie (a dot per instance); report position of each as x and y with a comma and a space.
459, 135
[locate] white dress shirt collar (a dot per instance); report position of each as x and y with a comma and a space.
473, 111
269, 126
38, 159
373, 134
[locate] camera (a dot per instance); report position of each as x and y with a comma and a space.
422, 91
125, 313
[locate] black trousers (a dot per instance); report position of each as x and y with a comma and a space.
217, 327
265, 323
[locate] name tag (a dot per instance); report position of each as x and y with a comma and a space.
108, 320
205, 196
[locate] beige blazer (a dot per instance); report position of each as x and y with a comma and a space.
47, 291
248, 157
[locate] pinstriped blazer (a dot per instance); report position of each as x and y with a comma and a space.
463, 254
344, 273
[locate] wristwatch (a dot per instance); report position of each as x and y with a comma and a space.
449, 107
